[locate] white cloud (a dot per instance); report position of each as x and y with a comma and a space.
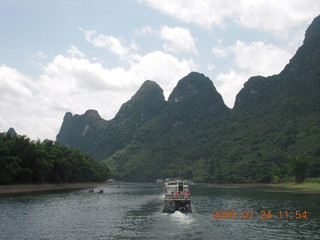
211, 66
19, 98
73, 84
251, 59
229, 84
204, 13
279, 17
38, 58
258, 58
145, 30
163, 68
75, 52
41, 55
220, 51
13, 85
107, 42
118, 46
178, 39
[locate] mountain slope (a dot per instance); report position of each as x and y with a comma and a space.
91, 134
165, 142
295, 88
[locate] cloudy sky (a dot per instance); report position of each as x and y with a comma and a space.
58, 56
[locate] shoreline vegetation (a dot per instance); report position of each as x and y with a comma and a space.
305, 186
285, 186
26, 161
30, 188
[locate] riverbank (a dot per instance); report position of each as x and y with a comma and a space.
306, 187
13, 189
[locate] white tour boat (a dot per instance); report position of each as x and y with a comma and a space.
177, 196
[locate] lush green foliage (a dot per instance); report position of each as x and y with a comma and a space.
249, 151
25, 161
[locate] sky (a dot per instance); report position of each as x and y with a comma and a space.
59, 56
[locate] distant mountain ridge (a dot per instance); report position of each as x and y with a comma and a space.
93, 135
195, 135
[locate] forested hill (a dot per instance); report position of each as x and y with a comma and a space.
272, 133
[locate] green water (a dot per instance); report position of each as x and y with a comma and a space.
133, 211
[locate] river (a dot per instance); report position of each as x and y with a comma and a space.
133, 211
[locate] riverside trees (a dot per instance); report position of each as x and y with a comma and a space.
26, 161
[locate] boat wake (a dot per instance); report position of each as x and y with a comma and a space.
162, 197
182, 218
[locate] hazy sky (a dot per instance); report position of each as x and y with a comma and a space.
72, 55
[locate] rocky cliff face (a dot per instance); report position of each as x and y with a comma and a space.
79, 131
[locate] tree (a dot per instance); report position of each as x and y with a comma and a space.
9, 168
275, 174
298, 167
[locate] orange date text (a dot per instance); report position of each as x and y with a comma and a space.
251, 214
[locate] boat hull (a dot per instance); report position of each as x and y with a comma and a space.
183, 206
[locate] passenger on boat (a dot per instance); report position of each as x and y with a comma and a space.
186, 193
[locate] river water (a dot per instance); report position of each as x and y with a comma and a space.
133, 211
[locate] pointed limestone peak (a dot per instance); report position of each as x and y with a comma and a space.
149, 89
307, 56
92, 114
12, 132
194, 99
192, 84
147, 102
196, 88
67, 116
313, 32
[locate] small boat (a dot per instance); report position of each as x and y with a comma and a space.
100, 191
91, 191
177, 196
